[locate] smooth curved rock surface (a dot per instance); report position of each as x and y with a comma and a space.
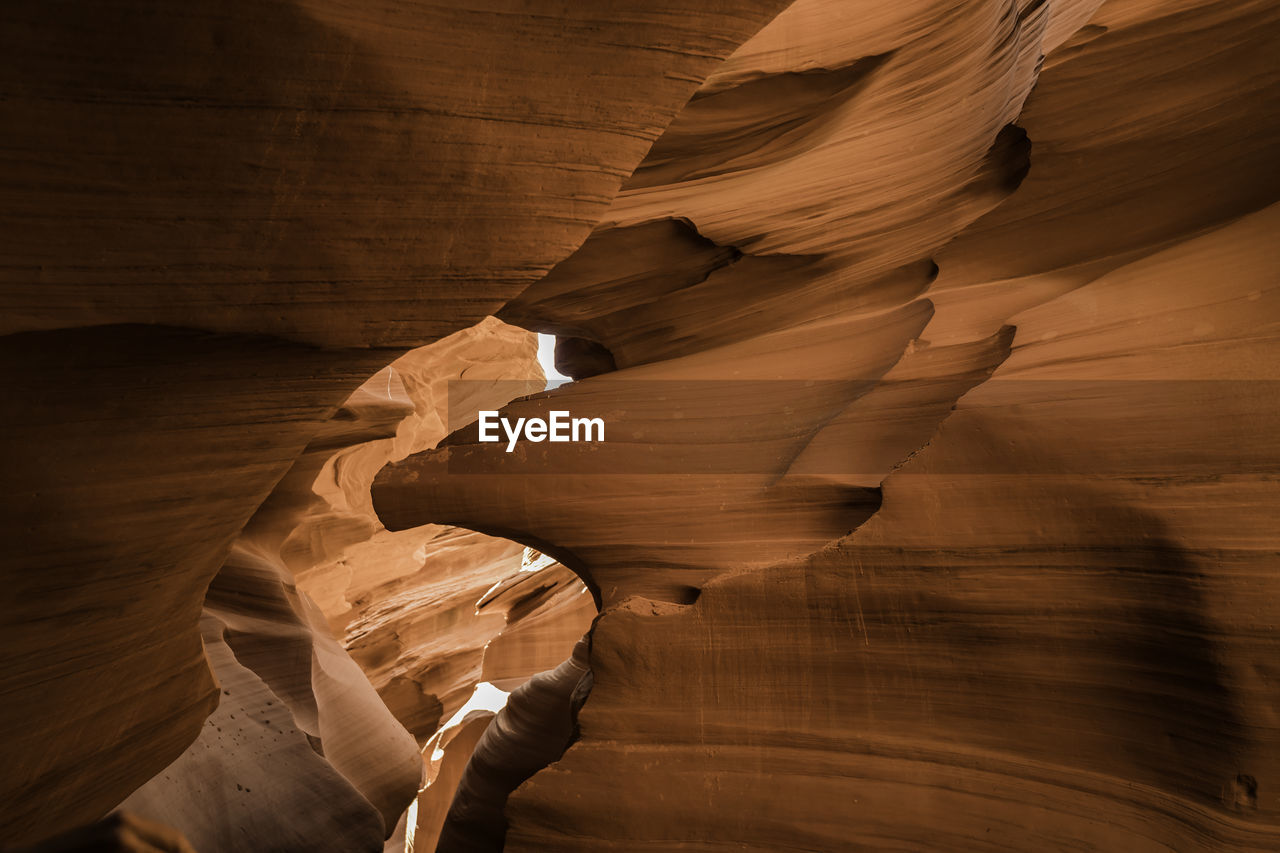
547, 612
403, 632
301, 169
1036, 635
254, 747
535, 727
121, 510
298, 170
1016, 652
936, 341
118, 832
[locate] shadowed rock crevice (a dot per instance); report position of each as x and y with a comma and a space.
1008, 161
615, 271
580, 358
752, 124
119, 536
535, 728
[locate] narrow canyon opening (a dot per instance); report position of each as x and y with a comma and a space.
326, 631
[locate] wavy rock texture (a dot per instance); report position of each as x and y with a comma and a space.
138, 456
839, 268
936, 343
400, 601
425, 604
535, 727
302, 168
186, 189
996, 575
252, 745
363, 766
419, 609
472, 758
1055, 634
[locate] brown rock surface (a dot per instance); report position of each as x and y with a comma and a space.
137, 455
535, 727
1041, 640
936, 344
251, 763
1048, 628
424, 605
367, 177
323, 175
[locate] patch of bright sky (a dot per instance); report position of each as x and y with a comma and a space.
485, 697
547, 358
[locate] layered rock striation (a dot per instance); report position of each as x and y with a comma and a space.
965, 562
214, 218
935, 344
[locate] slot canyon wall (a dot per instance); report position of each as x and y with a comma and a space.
937, 344
423, 615
219, 221
1002, 578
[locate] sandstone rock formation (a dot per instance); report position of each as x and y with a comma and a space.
196, 197
936, 343
417, 611
254, 760
1057, 459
